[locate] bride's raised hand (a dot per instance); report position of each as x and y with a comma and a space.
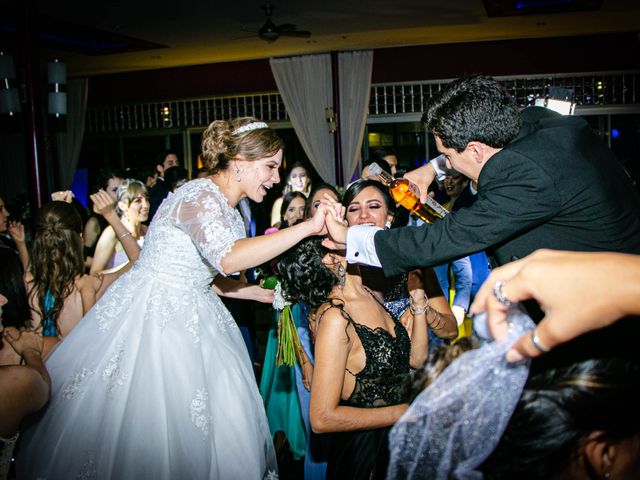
336, 225
318, 221
103, 204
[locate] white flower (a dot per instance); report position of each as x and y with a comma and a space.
279, 302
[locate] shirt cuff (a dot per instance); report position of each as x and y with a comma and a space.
459, 313
439, 164
360, 245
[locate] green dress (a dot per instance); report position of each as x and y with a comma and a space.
278, 390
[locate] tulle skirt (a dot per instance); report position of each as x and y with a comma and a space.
155, 382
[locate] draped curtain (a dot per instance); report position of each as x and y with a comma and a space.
304, 83
69, 143
355, 87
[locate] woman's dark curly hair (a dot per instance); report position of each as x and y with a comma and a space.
302, 274
16, 312
56, 256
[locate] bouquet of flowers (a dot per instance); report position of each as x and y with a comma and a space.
289, 348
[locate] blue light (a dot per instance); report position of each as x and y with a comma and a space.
615, 133
524, 4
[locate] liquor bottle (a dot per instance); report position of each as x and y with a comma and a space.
407, 194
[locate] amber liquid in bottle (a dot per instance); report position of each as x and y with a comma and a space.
406, 194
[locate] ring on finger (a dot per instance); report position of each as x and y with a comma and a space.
499, 294
535, 340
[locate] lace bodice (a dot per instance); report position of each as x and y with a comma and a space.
198, 210
383, 380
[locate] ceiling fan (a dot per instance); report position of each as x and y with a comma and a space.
270, 32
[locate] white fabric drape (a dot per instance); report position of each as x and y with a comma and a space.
355, 86
69, 143
304, 84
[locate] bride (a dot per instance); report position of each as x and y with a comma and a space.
156, 382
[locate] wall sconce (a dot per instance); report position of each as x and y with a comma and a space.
9, 98
57, 78
332, 121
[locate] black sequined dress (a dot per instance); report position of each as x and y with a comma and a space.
381, 383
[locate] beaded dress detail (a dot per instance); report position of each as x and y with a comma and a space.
382, 382
383, 379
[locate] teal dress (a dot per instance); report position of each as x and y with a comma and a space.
278, 390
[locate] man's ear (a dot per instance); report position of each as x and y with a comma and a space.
477, 151
599, 454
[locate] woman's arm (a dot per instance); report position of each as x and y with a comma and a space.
440, 318
25, 388
232, 288
91, 232
103, 205
418, 308
332, 349
104, 250
578, 291
16, 230
251, 252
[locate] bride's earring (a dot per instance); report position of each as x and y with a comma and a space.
238, 179
342, 274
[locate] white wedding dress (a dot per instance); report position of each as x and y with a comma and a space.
155, 382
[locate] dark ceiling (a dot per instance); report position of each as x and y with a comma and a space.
119, 36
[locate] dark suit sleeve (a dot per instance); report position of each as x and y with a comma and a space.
514, 196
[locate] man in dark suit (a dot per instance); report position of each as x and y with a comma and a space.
159, 191
544, 181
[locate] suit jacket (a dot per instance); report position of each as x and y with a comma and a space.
556, 185
157, 194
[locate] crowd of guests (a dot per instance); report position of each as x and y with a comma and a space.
389, 380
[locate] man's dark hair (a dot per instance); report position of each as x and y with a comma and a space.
378, 153
381, 163
474, 108
144, 170
162, 155
175, 177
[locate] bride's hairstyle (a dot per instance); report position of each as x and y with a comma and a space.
302, 274
128, 191
56, 255
246, 137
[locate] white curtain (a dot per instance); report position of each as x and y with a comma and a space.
355, 86
304, 84
70, 142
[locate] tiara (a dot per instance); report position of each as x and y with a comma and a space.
248, 127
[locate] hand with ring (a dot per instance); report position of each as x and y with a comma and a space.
578, 292
335, 223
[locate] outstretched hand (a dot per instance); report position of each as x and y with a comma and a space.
570, 288
335, 224
103, 204
23, 340
89, 283
62, 196
16, 230
318, 221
